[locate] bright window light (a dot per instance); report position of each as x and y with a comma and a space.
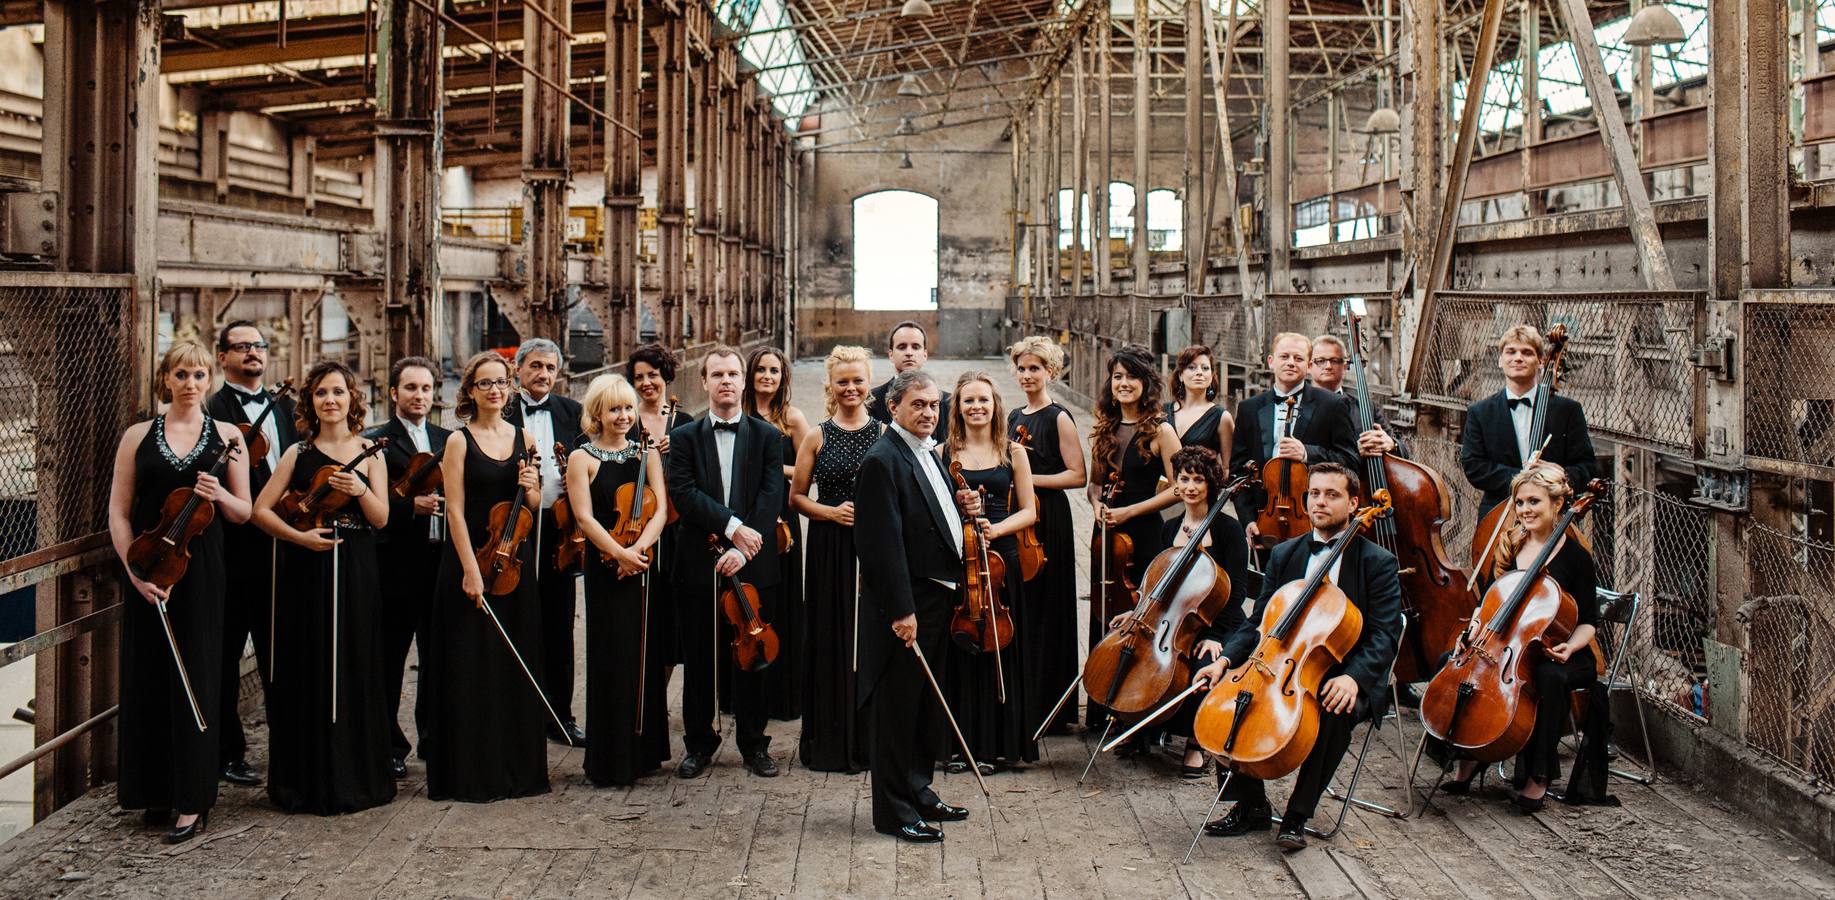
895, 250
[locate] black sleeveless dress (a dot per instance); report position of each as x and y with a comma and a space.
834, 739
486, 725
784, 679
315, 764
662, 567
995, 730
1140, 479
166, 763
1046, 615
615, 753
1202, 433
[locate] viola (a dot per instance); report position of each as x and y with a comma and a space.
1143, 662
161, 554
499, 557
1264, 714
570, 543
1031, 549
1112, 551
1491, 524
1437, 598
1483, 702
754, 640
981, 622
1284, 514
251, 431
314, 505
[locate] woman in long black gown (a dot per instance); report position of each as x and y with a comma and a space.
652, 368
1193, 410
834, 740
1131, 437
1047, 611
622, 639
329, 723
767, 396
169, 765
486, 720
996, 723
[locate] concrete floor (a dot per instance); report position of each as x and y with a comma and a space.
1120, 833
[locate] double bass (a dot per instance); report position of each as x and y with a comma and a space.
1264, 715
1031, 549
314, 505
499, 554
1437, 598
1284, 514
1113, 552
755, 642
1483, 702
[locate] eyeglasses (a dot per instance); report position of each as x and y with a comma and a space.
246, 346
1328, 360
492, 384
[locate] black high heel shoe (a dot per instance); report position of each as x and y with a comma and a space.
1461, 786
182, 833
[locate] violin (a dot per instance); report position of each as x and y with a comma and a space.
423, 476
1140, 664
314, 505
981, 622
510, 523
252, 434
1284, 515
669, 410
1264, 715
1113, 551
1491, 524
754, 640
632, 516
1437, 598
1031, 549
570, 543
1483, 702
784, 539
161, 554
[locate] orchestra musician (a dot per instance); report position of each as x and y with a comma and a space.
409, 546
1353, 691
726, 477
168, 765
1192, 407
767, 396
908, 347
906, 517
1327, 373
1494, 444
653, 367
250, 554
1323, 427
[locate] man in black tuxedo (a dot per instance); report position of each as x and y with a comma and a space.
908, 347
908, 532
726, 479
1495, 443
249, 553
409, 547
1323, 430
550, 418
1327, 372
1352, 691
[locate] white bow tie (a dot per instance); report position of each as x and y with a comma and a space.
927, 444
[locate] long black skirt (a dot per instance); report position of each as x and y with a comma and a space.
616, 754
995, 730
166, 762
1047, 618
784, 680
834, 737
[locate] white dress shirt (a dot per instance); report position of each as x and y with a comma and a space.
417, 434
930, 473
1522, 416
723, 448
539, 422
1318, 556
1280, 413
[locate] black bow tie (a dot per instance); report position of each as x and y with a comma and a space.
247, 398
535, 405
1522, 401
1315, 546
732, 426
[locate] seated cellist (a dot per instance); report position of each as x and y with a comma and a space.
1352, 692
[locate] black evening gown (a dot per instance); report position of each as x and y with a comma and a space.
1202, 433
1140, 479
834, 738
1047, 612
784, 679
486, 725
615, 753
315, 764
166, 763
1572, 568
995, 730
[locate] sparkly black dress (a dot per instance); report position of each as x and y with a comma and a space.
784, 679
1047, 612
166, 763
995, 730
615, 753
834, 739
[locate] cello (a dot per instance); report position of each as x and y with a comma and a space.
1264, 714
1113, 552
1437, 598
311, 507
1491, 524
754, 640
161, 554
1284, 515
1031, 549
1483, 702
499, 559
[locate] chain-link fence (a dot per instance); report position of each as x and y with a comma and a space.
1791, 418
66, 392
1788, 671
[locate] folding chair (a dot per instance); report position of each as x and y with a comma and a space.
1621, 608
1350, 789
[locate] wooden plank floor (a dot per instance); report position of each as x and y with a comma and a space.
1119, 833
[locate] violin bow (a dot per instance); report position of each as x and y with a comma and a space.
334, 624
484, 603
1498, 530
178, 659
1000, 673
273, 564
967, 754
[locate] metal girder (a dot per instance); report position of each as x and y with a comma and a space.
1279, 155
545, 174
623, 179
671, 86
407, 305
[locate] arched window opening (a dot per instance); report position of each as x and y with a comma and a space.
1165, 221
895, 251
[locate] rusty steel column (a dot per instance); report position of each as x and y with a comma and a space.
671, 35
709, 305
755, 207
1423, 111
1105, 140
623, 176
407, 204
546, 122
1195, 227
1143, 141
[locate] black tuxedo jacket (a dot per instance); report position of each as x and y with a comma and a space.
226, 405
903, 539
1368, 578
1382, 422
1489, 455
563, 413
695, 490
879, 410
1325, 424
404, 525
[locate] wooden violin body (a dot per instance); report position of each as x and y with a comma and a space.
981, 623
1284, 514
1031, 549
630, 525
1483, 702
313, 506
252, 435
161, 554
784, 539
500, 553
570, 542
422, 477
754, 640
1435, 596
1111, 553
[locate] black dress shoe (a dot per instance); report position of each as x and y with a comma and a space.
1242, 819
398, 767
182, 833
569, 733
1527, 805
761, 764
693, 766
238, 771
1291, 837
156, 818
942, 812
920, 833
1408, 697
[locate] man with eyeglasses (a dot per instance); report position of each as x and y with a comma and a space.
249, 554
1327, 373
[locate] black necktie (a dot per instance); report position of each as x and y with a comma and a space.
1522, 401
726, 426
1316, 547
